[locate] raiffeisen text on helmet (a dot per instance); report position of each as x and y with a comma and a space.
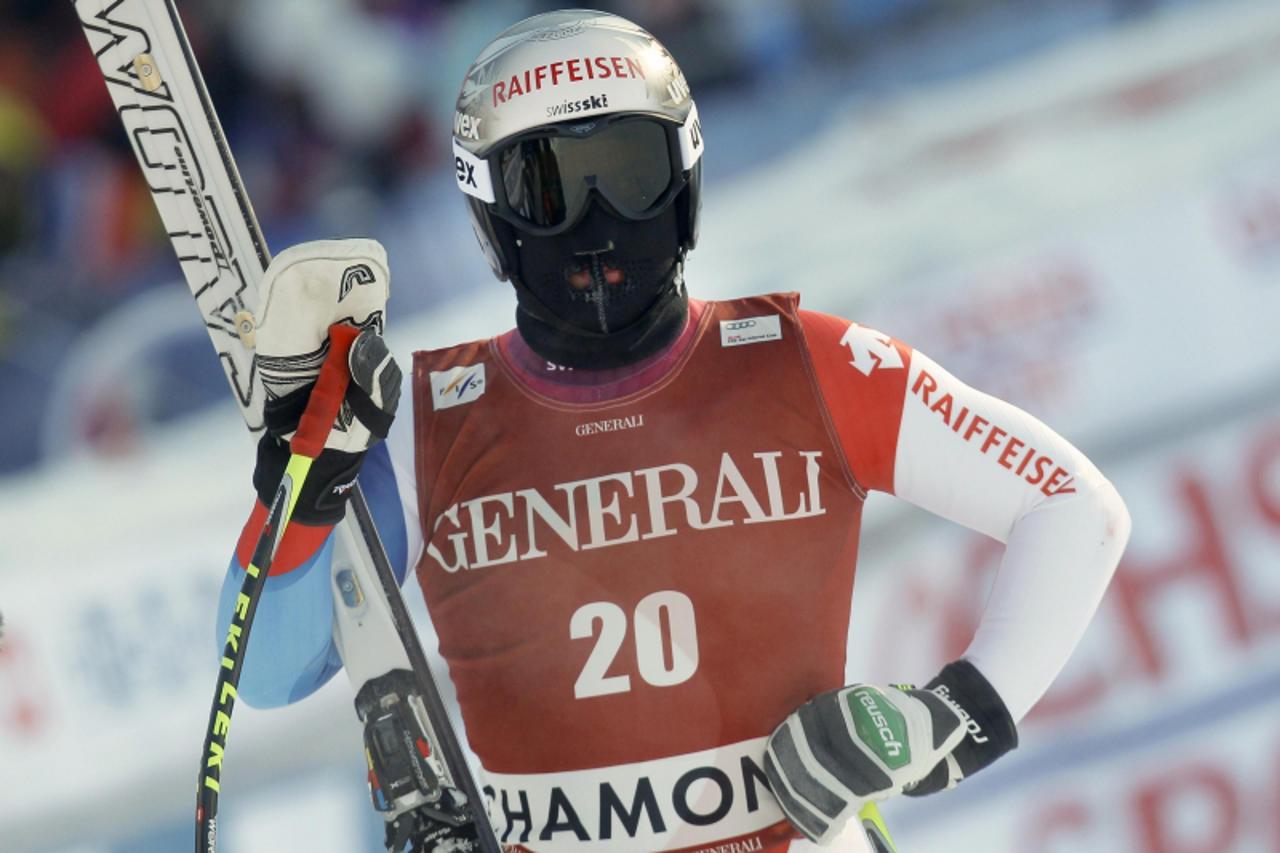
585, 69
596, 62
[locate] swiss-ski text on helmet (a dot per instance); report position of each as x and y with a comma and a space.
595, 102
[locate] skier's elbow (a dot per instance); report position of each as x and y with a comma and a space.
1109, 520
1118, 522
290, 652
276, 682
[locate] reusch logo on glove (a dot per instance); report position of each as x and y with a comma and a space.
880, 725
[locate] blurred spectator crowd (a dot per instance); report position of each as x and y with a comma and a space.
335, 110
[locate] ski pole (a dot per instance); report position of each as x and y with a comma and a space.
307, 443
877, 832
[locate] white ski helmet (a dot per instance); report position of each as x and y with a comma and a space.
566, 105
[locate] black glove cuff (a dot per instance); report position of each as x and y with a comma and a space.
273, 456
282, 414
323, 498
991, 730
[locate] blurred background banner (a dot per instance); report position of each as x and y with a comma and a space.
1072, 204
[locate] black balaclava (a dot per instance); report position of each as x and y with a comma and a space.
605, 325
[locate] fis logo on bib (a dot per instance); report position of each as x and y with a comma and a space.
455, 387
750, 330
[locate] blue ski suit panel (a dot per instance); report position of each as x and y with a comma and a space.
291, 649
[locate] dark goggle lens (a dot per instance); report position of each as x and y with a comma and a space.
547, 178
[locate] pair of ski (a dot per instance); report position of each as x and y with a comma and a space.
160, 96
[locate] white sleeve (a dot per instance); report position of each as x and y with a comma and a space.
400, 449
986, 464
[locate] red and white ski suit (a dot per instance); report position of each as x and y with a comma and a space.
634, 577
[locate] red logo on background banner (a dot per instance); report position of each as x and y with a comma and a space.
1253, 223
21, 713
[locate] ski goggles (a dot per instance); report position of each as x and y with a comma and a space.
542, 181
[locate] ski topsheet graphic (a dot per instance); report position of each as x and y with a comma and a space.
155, 84
171, 125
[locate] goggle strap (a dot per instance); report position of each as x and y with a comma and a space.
472, 174
691, 139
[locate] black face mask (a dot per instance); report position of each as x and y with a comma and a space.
603, 325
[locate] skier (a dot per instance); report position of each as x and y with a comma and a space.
635, 517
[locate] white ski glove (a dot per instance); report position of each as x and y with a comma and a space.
859, 744
306, 289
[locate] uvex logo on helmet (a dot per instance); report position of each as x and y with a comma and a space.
465, 172
466, 126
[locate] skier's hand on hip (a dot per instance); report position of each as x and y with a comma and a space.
989, 729
306, 289
865, 743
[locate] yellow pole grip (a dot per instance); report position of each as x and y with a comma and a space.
877, 832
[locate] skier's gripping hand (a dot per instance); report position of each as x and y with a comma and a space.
306, 289
860, 744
